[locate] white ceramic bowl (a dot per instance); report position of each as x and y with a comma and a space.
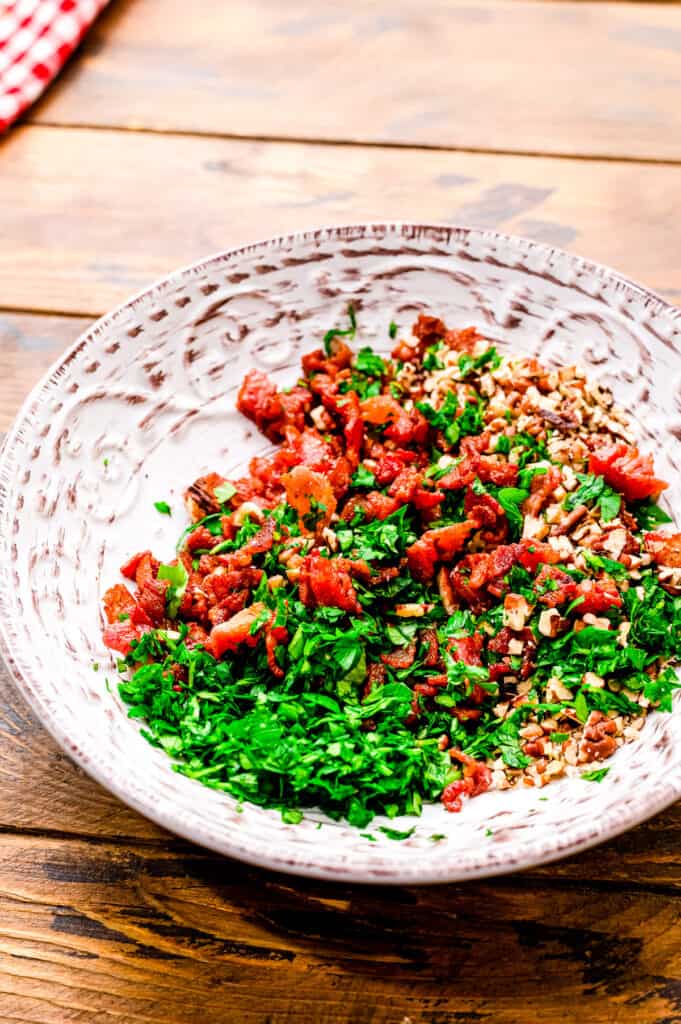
150, 388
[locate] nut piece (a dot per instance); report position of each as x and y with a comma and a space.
591, 679
411, 611
248, 508
516, 611
534, 528
549, 622
555, 691
598, 741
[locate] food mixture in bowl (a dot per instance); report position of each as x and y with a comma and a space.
448, 577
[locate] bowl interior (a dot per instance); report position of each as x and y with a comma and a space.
144, 402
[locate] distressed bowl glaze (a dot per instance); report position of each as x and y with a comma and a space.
150, 389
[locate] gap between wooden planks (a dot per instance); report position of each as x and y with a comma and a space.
95, 933
574, 78
90, 217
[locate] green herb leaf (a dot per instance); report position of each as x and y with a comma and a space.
337, 333
163, 507
223, 492
597, 775
366, 361
649, 514
394, 833
177, 574
363, 477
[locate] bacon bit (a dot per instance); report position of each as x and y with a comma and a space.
274, 637
429, 638
347, 408
228, 636
259, 399
391, 464
408, 487
428, 330
200, 497
483, 509
402, 427
311, 495
534, 553
501, 643
477, 779
598, 596
565, 588
318, 362
327, 582
493, 471
151, 591
484, 570
467, 649
402, 657
119, 636
374, 505
542, 487
376, 676
200, 538
665, 549
129, 568
629, 472
119, 601
446, 592
437, 546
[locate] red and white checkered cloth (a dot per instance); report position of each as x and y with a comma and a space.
36, 38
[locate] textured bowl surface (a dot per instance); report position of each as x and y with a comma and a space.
151, 388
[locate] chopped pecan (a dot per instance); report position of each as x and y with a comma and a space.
598, 741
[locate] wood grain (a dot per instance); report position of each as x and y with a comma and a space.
569, 78
28, 346
91, 217
97, 933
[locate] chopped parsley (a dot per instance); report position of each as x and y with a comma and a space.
593, 489
336, 332
596, 775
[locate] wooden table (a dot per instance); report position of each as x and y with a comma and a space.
183, 128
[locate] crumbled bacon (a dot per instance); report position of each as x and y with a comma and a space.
477, 779
598, 596
665, 549
401, 657
259, 399
437, 546
325, 581
554, 587
429, 637
625, 469
229, 635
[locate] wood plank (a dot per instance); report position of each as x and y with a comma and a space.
42, 789
64, 800
89, 217
28, 346
571, 78
98, 933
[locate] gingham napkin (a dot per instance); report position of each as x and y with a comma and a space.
36, 37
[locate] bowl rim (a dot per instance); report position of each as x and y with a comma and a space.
325, 869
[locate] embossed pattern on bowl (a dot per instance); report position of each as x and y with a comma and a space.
149, 390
